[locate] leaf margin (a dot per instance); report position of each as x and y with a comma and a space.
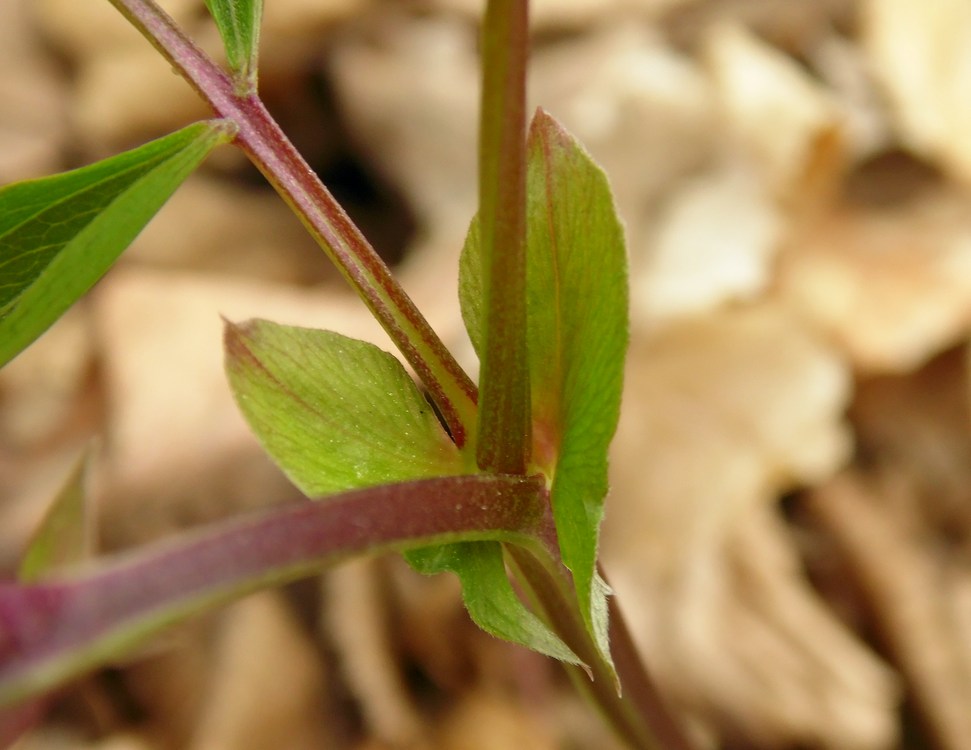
58, 285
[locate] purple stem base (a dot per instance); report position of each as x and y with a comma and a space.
53, 630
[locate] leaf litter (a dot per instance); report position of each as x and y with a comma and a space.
788, 524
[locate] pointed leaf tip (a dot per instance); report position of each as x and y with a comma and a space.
64, 536
489, 596
578, 307
577, 303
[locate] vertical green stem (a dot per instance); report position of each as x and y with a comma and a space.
273, 153
504, 417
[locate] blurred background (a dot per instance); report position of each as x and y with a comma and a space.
789, 526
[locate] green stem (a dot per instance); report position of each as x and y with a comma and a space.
504, 421
261, 138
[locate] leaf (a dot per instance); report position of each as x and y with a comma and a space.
64, 535
56, 629
578, 333
489, 597
335, 413
470, 285
59, 234
238, 22
577, 300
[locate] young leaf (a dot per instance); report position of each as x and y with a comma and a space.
335, 413
238, 22
578, 307
470, 284
489, 597
576, 283
59, 234
64, 535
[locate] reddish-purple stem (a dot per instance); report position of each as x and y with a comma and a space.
261, 138
504, 420
48, 624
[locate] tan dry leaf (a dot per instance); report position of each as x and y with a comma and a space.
408, 88
294, 33
127, 95
571, 15
864, 118
40, 389
489, 721
162, 336
921, 54
908, 587
291, 20
721, 415
830, 689
643, 109
169, 678
50, 736
890, 287
781, 120
49, 407
123, 741
267, 688
356, 619
216, 226
33, 127
728, 410
716, 240
83, 31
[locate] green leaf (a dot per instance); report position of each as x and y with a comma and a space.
64, 535
470, 285
59, 234
238, 22
578, 332
335, 413
577, 301
489, 597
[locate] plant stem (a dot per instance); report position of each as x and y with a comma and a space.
504, 420
261, 138
640, 690
551, 591
638, 715
55, 629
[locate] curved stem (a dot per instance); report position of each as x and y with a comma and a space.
261, 138
53, 630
